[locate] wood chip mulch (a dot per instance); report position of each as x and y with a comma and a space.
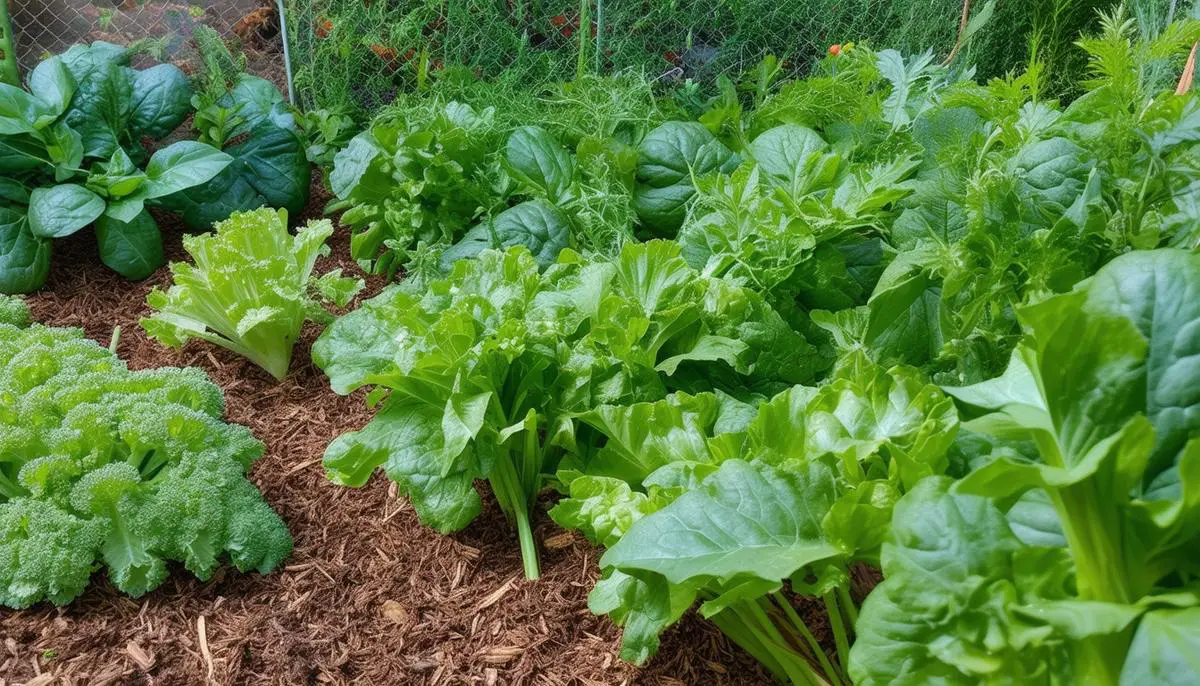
368, 597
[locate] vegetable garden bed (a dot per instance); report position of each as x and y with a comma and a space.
369, 594
884, 375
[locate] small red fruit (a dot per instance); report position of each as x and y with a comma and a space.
835, 50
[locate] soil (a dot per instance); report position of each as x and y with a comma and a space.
369, 596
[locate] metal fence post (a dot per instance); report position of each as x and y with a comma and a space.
287, 52
9, 72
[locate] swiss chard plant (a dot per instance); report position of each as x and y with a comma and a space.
483, 375
705, 498
251, 288
101, 467
72, 156
1070, 555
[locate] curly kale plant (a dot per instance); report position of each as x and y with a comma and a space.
71, 156
104, 467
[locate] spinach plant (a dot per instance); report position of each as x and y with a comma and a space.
247, 118
72, 154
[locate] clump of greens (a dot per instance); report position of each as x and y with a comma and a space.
1073, 541
71, 155
481, 377
582, 201
104, 467
249, 289
247, 118
703, 498
414, 177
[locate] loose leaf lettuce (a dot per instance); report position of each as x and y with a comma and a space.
248, 290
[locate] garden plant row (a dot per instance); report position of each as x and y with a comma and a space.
881, 317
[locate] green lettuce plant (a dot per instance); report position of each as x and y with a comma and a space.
101, 467
71, 156
482, 376
1069, 557
581, 200
249, 289
414, 177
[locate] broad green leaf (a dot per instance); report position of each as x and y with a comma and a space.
405, 439
782, 151
134, 249
646, 436
161, 100
1165, 650
351, 163
24, 257
954, 575
644, 605
744, 520
668, 158
21, 112
59, 211
535, 224
53, 84
602, 508
182, 165
540, 161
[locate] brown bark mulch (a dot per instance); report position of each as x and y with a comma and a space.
369, 595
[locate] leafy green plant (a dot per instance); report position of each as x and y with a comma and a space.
247, 118
101, 466
417, 176
249, 289
578, 201
72, 156
482, 375
669, 159
699, 497
1076, 548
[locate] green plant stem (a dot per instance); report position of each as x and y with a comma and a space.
9, 72
831, 672
1091, 529
840, 637
750, 626
514, 501
585, 37
848, 605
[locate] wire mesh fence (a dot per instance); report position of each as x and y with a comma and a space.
356, 54
163, 28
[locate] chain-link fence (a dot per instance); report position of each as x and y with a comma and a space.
163, 28
357, 55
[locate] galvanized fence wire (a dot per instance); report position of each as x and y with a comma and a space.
357, 55
163, 28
